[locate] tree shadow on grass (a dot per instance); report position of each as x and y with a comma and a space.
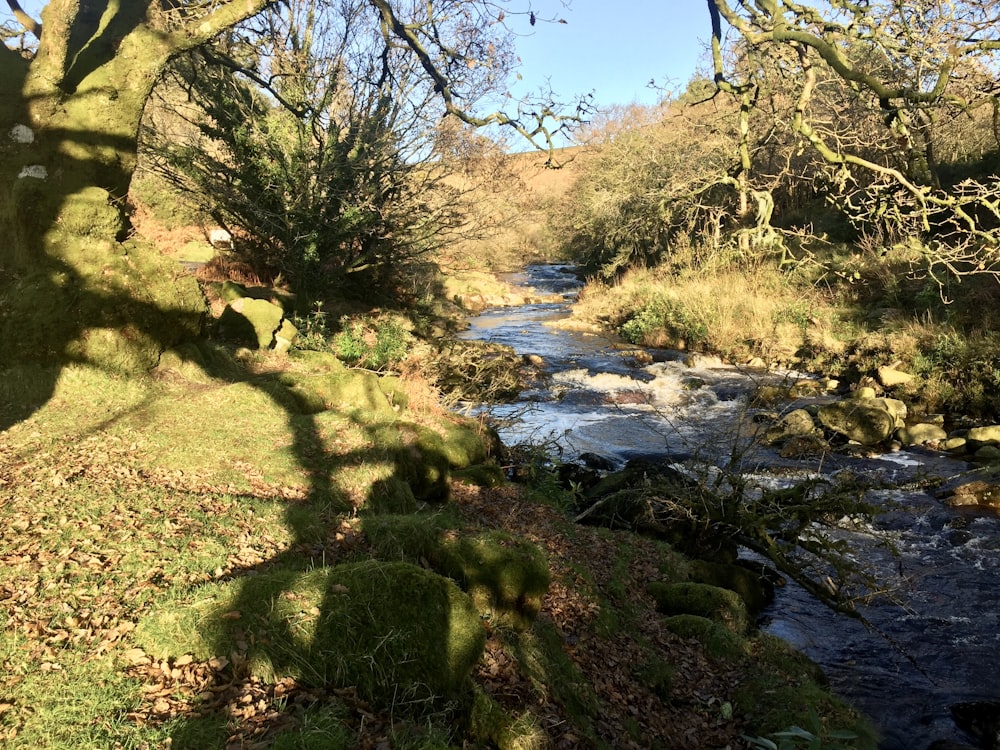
321, 629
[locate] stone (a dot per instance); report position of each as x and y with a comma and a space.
979, 493
285, 337
865, 392
980, 436
895, 407
890, 377
796, 423
859, 420
264, 318
953, 445
721, 605
921, 434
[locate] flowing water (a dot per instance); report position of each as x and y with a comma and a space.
938, 650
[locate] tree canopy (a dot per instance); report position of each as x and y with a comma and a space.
882, 92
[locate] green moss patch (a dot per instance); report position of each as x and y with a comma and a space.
506, 576
501, 572
753, 588
350, 391
395, 631
718, 640
505, 730
717, 604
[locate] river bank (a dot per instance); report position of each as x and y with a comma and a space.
925, 657
181, 553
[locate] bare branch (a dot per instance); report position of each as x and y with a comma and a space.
29, 23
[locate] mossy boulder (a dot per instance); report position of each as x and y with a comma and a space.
363, 395
921, 433
505, 575
419, 458
718, 640
712, 602
753, 587
393, 630
866, 421
264, 317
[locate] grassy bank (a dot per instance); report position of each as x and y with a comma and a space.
838, 317
277, 551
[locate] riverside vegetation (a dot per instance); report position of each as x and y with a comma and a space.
276, 535
250, 549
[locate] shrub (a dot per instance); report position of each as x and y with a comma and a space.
374, 343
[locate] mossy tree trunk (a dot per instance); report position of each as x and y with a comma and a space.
73, 284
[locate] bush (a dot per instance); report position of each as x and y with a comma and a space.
662, 314
374, 343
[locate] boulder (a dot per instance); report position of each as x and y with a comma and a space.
953, 444
264, 318
920, 434
505, 576
285, 336
753, 586
978, 493
890, 377
977, 437
717, 604
796, 423
866, 421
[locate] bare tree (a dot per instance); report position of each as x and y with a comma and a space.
906, 71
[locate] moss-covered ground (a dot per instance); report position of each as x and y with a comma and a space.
278, 552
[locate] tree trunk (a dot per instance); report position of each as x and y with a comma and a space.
74, 285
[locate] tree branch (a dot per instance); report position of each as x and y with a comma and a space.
29, 23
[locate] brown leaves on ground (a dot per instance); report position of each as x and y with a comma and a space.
90, 538
633, 714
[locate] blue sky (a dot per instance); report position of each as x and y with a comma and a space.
613, 48
610, 47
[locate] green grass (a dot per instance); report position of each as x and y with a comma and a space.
136, 515
124, 497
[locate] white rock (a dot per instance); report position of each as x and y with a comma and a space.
22, 134
220, 238
37, 171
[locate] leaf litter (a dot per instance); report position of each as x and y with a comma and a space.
90, 538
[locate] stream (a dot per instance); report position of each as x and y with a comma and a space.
604, 404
